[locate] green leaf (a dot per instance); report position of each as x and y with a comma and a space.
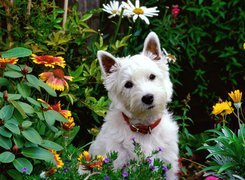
13, 74
24, 90
51, 145
5, 132
38, 153
6, 112
26, 124
33, 101
13, 97
22, 164
33, 80
4, 81
12, 127
32, 135
13, 67
7, 157
226, 166
48, 89
19, 141
5, 143
19, 108
86, 17
26, 107
14, 174
17, 52
51, 115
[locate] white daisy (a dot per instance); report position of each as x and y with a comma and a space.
139, 11
113, 8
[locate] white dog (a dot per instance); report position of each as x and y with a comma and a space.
139, 88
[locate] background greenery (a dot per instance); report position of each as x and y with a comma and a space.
206, 38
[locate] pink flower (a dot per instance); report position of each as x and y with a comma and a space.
211, 178
175, 11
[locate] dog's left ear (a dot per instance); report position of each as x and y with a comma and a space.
107, 61
152, 46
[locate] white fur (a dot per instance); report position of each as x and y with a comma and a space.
115, 134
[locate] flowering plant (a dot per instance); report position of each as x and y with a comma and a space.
30, 128
228, 150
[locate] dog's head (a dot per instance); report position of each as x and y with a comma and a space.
139, 84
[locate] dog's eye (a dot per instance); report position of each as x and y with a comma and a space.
128, 84
152, 77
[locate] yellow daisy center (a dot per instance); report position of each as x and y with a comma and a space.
114, 11
138, 11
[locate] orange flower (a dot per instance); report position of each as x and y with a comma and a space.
223, 108
58, 161
89, 163
5, 61
236, 96
57, 107
56, 79
69, 125
49, 61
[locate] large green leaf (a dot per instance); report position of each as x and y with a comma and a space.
6, 112
33, 101
26, 107
4, 132
7, 157
33, 80
12, 127
38, 153
13, 74
51, 145
23, 165
51, 115
12, 97
32, 135
24, 90
19, 108
226, 166
5, 143
17, 52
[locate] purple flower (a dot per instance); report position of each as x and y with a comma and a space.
106, 178
66, 168
125, 174
164, 168
106, 160
153, 168
149, 160
24, 170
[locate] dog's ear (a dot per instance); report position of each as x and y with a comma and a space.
152, 46
106, 61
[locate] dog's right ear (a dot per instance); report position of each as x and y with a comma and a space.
106, 61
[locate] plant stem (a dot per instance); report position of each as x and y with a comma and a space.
65, 13
118, 25
194, 162
28, 13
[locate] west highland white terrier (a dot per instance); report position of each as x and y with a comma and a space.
139, 88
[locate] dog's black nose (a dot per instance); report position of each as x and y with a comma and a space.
148, 99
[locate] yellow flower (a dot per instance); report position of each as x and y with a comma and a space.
69, 125
236, 96
5, 61
49, 61
222, 108
84, 156
100, 157
56, 79
58, 161
94, 131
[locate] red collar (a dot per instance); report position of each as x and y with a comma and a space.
139, 127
